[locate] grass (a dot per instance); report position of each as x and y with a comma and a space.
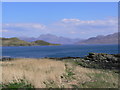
69, 73
48, 73
50, 84
101, 80
88, 64
36, 71
17, 42
20, 83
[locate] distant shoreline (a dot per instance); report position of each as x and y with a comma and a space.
63, 44
17, 42
29, 46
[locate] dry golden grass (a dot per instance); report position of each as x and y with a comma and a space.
38, 71
35, 71
0, 72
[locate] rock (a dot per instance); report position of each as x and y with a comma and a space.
5, 58
101, 57
102, 60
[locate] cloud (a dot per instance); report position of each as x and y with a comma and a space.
72, 27
72, 32
26, 26
86, 28
70, 20
110, 21
22, 29
4, 30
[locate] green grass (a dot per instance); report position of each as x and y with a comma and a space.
98, 80
101, 80
97, 84
17, 42
17, 85
69, 75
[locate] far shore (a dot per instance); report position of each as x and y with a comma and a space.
31, 45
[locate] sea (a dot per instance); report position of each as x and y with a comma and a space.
57, 51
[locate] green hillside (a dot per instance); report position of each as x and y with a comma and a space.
41, 42
17, 42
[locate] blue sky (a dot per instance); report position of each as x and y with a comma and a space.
22, 18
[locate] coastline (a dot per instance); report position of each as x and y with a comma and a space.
32, 45
95, 60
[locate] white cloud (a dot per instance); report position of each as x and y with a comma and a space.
84, 28
73, 32
70, 20
23, 29
110, 21
4, 30
65, 27
24, 25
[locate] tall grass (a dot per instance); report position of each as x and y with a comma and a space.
47, 73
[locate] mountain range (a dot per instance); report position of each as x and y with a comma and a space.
108, 39
52, 39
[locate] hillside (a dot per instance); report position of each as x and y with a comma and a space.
14, 42
17, 42
108, 39
41, 42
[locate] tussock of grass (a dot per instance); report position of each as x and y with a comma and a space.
48, 73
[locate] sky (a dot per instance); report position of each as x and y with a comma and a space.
68, 19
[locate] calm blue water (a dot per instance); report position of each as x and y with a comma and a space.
57, 51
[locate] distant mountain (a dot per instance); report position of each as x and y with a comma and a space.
108, 39
52, 39
17, 42
28, 39
55, 39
